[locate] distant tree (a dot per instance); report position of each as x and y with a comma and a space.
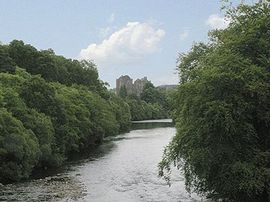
133, 96
151, 94
122, 112
123, 91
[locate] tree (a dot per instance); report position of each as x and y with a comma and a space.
122, 112
6, 63
222, 109
123, 92
18, 149
39, 95
24, 56
46, 118
151, 94
55, 68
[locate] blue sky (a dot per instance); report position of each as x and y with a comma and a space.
139, 38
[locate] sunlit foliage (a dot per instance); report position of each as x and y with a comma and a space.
222, 110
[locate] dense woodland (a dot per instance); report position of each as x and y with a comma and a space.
222, 111
52, 107
153, 103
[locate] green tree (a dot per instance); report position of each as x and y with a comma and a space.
123, 92
151, 94
40, 95
6, 63
50, 108
122, 112
222, 109
18, 149
38, 123
25, 56
55, 68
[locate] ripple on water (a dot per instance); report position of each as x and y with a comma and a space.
53, 188
122, 169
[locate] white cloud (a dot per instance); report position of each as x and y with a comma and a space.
111, 18
183, 35
104, 32
217, 22
126, 45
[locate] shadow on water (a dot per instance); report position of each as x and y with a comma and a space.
59, 184
112, 166
55, 185
90, 154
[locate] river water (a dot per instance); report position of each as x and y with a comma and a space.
124, 169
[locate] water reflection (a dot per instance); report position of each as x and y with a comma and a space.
149, 125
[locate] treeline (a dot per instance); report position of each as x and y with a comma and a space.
222, 111
51, 107
153, 103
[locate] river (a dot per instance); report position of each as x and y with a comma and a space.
124, 169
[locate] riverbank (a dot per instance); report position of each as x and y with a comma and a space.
123, 169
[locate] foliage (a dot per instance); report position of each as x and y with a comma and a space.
6, 63
151, 94
87, 118
38, 123
51, 107
18, 149
222, 110
152, 103
123, 92
122, 112
55, 68
141, 110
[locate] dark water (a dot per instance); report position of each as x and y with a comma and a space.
122, 169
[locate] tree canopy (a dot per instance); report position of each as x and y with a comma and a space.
50, 108
152, 103
222, 111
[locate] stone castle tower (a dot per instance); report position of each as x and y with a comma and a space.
132, 88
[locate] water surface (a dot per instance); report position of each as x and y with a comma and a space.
124, 168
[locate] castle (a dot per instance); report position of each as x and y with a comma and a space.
132, 88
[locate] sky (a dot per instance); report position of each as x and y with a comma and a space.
122, 37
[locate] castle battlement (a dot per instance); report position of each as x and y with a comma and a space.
132, 88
